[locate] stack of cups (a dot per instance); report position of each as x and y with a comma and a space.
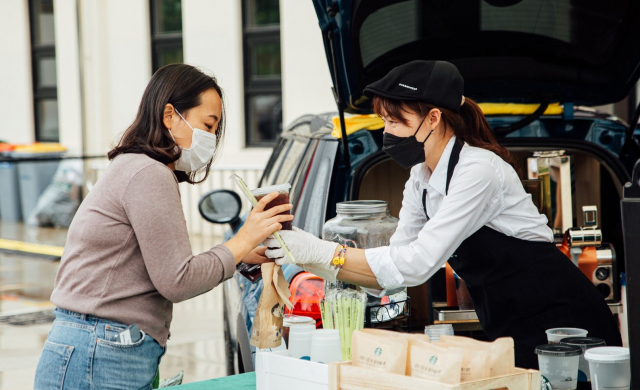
559, 365
300, 341
435, 331
610, 368
325, 346
584, 343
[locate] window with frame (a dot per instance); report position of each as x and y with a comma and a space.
262, 71
43, 58
166, 32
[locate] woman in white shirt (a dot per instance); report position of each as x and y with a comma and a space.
464, 203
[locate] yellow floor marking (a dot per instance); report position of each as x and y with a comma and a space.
27, 247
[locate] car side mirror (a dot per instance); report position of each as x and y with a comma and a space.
221, 206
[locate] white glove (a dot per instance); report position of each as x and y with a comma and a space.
305, 248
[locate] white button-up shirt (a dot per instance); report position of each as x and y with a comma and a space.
484, 191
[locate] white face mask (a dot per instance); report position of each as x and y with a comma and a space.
203, 146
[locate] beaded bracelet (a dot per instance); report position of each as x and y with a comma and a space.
338, 261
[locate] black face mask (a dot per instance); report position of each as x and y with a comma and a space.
406, 151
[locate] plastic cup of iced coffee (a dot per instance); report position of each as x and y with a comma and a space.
283, 198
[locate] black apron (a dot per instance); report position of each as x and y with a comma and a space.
522, 288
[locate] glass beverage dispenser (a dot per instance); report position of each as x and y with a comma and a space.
366, 224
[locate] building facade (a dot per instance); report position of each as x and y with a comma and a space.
74, 71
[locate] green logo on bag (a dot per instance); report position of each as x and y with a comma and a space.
378, 351
545, 384
433, 360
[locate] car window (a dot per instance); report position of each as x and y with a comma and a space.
300, 179
279, 154
311, 208
274, 160
290, 161
583, 31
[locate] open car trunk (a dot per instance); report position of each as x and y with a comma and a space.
572, 51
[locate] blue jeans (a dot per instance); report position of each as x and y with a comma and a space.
77, 355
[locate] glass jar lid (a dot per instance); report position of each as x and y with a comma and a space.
558, 350
362, 207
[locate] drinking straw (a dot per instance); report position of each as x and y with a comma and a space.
243, 186
346, 306
338, 317
362, 299
322, 313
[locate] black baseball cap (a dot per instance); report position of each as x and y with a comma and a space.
434, 82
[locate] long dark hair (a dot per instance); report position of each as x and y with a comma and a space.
180, 85
469, 125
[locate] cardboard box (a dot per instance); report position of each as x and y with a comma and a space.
344, 376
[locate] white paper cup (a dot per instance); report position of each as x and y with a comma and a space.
559, 365
610, 368
294, 320
300, 341
325, 346
556, 334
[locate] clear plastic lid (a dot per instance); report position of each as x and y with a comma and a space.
558, 350
275, 188
291, 319
607, 354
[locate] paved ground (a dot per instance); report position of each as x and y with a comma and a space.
197, 341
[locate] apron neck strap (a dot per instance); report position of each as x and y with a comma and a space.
453, 161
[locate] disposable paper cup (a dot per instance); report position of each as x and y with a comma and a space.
435, 331
325, 346
300, 341
559, 365
610, 368
283, 198
585, 343
556, 334
294, 320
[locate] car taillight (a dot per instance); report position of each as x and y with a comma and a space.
306, 292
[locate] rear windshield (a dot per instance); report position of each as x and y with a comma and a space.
583, 31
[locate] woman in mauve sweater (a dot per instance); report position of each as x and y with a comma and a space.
128, 256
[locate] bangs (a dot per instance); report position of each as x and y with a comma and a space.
394, 108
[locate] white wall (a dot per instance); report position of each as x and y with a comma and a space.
68, 76
16, 89
306, 81
212, 36
116, 66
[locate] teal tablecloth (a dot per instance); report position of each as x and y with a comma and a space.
235, 382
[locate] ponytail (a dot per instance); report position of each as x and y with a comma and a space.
474, 129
